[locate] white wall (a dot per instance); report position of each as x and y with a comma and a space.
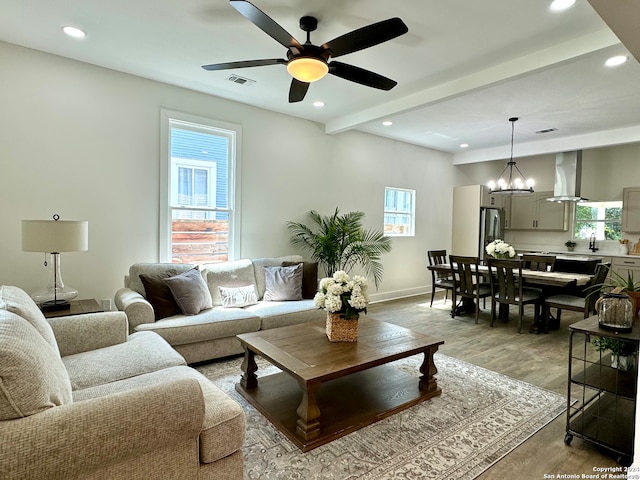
83, 142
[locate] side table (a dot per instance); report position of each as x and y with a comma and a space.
78, 307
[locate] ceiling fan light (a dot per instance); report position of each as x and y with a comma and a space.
307, 69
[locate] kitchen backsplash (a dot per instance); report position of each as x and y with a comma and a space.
554, 242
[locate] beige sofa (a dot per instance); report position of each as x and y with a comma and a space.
211, 333
80, 398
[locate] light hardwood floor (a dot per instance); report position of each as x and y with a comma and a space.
537, 359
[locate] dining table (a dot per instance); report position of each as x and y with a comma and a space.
550, 281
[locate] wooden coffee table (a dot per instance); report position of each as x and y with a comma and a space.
327, 390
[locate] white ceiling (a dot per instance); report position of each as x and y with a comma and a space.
463, 69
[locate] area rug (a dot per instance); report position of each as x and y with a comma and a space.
480, 417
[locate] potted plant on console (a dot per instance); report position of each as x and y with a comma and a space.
623, 354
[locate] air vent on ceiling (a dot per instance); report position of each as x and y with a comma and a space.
241, 80
547, 130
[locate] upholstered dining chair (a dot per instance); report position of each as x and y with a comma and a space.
467, 283
439, 279
507, 289
584, 302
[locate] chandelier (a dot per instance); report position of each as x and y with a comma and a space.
514, 181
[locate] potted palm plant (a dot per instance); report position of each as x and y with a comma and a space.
339, 242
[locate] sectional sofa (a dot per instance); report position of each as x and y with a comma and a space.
82, 398
241, 296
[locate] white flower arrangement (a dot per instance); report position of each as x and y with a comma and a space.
344, 295
500, 249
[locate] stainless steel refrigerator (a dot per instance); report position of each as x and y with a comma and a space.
491, 227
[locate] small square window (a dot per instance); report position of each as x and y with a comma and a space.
399, 212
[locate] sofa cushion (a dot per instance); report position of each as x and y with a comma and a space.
157, 292
238, 296
224, 426
260, 263
283, 283
282, 314
190, 291
309, 278
133, 281
32, 376
217, 322
237, 273
17, 301
144, 352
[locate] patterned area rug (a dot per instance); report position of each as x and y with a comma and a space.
479, 418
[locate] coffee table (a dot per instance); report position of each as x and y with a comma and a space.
327, 390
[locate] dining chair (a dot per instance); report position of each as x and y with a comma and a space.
540, 263
507, 289
584, 302
467, 284
439, 279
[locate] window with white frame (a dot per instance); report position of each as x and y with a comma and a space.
602, 219
399, 212
199, 189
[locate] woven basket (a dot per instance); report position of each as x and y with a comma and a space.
341, 330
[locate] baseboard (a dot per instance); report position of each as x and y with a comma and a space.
397, 294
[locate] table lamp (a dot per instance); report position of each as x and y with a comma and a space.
55, 236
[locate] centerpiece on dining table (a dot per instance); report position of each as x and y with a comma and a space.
343, 298
500, 249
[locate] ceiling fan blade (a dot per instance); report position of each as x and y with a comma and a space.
298, 90
265, 23
360, 75
244, 64
366, 37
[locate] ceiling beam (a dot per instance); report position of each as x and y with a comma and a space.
563, 52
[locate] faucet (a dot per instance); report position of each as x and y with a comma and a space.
592, 243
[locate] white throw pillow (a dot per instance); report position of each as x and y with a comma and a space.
238, 296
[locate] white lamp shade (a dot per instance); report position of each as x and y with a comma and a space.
55, 236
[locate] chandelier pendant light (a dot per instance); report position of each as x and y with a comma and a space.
511, 180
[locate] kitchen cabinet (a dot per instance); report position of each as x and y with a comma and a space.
623, 265
534, 212
601, 399
631, 209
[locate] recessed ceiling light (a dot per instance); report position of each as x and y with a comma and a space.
464, 145
387, 123
318, 104
615, 61
74, 32
561, 4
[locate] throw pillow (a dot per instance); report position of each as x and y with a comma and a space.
159, 295
309, 278
32, 375
238, 296
283, 283
190, 291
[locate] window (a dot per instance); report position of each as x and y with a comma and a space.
399, 212
199, 189
604, 219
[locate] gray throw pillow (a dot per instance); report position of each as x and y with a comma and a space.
190, 291
238, 296
283, 283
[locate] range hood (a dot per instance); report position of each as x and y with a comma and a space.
568, 175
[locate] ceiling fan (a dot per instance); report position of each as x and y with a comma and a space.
308, 62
